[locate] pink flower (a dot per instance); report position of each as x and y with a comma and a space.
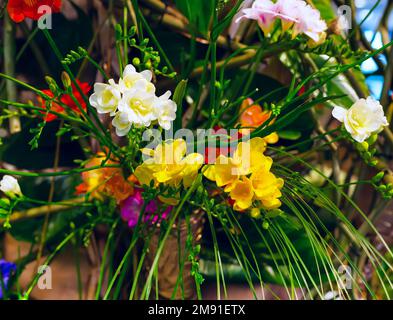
293, 13
235, 27
310, 22
265, 12
286, 10
131, 208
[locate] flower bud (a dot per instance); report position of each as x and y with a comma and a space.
372, 139
136, 61
52, 85
66, 80
10, 186
255, 213
378, 177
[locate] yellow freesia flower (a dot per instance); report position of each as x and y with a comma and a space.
247, 177
247, 157
242, 193
266, 188
169, 165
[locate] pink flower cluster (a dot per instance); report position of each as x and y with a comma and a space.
295, 14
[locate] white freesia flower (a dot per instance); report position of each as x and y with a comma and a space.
10, 186
137, 103
131, 77
364, 118
106, 97
165, 110
121, 124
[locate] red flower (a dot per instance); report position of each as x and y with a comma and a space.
18, 10
66, 99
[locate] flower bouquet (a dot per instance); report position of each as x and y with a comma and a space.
182, 149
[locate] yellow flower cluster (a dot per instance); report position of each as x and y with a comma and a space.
169, 165
246, 176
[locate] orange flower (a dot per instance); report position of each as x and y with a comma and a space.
118, 187
18, 10
252, 116
66, 99
105, 182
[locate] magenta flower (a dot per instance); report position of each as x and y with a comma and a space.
131, 208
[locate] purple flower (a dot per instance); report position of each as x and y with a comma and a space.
6, 270
130, 210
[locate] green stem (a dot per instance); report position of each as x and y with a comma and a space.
196, 183
104, 257
153, 37
59, 247
125, 28
128, 252
35, 108
9, 68
105, 136
99, 68
58, 173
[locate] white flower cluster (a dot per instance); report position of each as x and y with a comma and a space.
133, 101
295, 14
363, 119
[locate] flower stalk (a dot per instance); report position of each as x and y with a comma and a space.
9, 69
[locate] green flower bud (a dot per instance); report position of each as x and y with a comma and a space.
52, 85
364, 145
372, 139
382, 188
145, 42
82, 51
136, 61
378, 177
66, 80
148, 64
132, 31
6, 225
5, 202
366, 155
75, 54
255, 213
172, 75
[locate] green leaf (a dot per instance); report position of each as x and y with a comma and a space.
326, 9
178, 97
290, 134
198, 13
